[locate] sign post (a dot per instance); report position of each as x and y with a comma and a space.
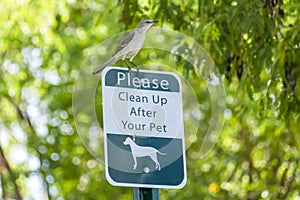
143, 129
145, 194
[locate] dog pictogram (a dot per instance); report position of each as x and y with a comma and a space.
142, 151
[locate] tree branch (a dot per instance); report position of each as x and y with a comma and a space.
12, 176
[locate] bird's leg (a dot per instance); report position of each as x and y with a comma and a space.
137, 69
129, 68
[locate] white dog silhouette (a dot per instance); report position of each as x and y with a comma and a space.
142, 151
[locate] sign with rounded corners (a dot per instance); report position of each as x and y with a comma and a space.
143, 128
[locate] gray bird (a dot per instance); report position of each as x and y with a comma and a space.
129, 47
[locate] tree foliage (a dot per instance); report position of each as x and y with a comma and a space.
255, 45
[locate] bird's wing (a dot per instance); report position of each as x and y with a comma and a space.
124, 42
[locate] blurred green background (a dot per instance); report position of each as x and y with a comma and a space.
255, 45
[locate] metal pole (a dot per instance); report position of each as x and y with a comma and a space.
145, 194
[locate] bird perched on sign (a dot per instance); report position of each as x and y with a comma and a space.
129, 47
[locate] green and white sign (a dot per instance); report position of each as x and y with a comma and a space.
143, 128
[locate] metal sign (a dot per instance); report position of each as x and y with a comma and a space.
143, 128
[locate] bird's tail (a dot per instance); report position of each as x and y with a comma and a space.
99, 69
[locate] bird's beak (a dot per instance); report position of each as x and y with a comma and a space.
154, 21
